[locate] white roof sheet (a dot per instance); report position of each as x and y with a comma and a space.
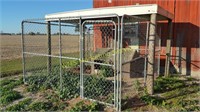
119, 10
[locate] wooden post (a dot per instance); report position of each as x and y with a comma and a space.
151, 56
49, 47
168, 48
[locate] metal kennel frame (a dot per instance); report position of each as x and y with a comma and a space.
41, 58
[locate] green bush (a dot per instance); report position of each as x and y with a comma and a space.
71, 86
35, 82
93, 86
38, 106
21, 106
6, 92
153, 100
6, 81
9, 97
106, 71
70, 63
9, 84
136, 86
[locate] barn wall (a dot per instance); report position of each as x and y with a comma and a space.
186, 40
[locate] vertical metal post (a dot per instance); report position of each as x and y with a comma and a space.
115, 33
23, 50
168, 48
81, 58
49, 47
118, 66
145, 59
60, 48
151, 56
90, 43
120, 61
159, 57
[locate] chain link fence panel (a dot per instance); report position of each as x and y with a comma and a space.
99, 58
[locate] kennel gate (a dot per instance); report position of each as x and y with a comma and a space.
98, 55
50, 54
95, 51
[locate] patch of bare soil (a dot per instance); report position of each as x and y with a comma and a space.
39, 96
72, 102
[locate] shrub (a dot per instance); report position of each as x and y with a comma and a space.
106, 71
71, 63
9, 97
136, 86
6, 92
9, 84
20, 106
93, 86
38, 106
6, 81
35, 82
152, 100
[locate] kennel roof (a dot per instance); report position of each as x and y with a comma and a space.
108, 12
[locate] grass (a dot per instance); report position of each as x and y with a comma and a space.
179, 96
181, 91
14, 66
163, 84
152, 100
10, 97
20, 106
10, 67
9, 84
174, 94
95, 87
26, 105
6, 82
38, 106
6, 91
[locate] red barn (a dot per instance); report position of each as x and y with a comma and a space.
186, 41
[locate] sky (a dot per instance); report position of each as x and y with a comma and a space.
12, 12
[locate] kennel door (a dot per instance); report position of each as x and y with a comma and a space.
98, 61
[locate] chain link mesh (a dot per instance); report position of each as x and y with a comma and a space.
82, 58
52, 58
98, 73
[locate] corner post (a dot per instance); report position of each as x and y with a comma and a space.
168, 48
151, 56
49, 47
23, 50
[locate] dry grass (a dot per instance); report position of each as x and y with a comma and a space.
11, 46
11, 49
